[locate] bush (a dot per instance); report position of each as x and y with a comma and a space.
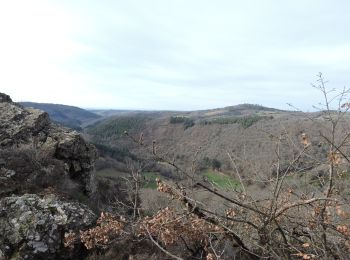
215, 164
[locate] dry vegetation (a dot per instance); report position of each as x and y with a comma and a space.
291, 204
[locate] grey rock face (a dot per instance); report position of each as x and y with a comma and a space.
5, 98
36, 154
33, 228
32, 128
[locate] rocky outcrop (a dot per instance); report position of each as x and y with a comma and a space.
5, 98
38, 156
28, 128
33, 228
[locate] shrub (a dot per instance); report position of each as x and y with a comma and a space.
215, 164
206, 162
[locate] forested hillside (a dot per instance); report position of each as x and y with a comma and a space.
70, 116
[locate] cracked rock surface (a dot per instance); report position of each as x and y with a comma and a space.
21, 128
33, 228
42, 167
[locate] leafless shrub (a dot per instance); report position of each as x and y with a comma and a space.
285, 221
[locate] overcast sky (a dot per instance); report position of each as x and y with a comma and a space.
178, 54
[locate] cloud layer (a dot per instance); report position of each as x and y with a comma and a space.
172, 54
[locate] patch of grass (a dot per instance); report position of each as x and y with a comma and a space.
150, 180
221, 180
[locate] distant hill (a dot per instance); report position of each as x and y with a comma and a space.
114, 122
180, 133
69, 116
248, 133
237, 110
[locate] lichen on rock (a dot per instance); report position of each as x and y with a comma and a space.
33, 228
54, 162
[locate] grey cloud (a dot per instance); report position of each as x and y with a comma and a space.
160, 54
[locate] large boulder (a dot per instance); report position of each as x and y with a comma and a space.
33, 228
31, 129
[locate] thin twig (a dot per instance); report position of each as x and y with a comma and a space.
160, 247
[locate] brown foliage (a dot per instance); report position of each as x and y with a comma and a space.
170, 227
283, 221
108, 227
